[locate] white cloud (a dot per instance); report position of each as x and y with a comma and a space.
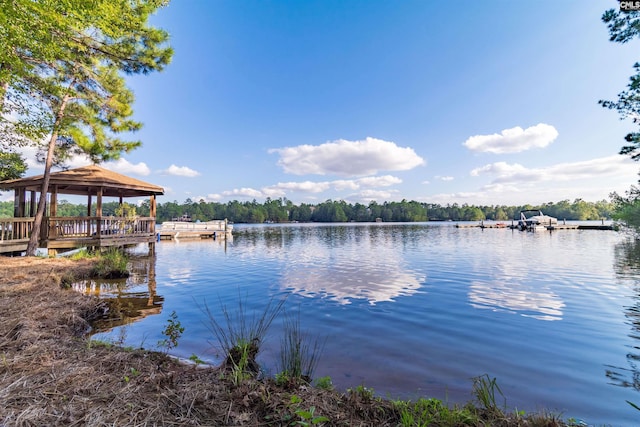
513, 140
505, 173
515, 184
181, 171
208, 198
344, 184
33, 167
379, 181
500, 169
444, 178
244, 192
347, 158
305, 186
273, 193
521, 195
77, 161
29, 154
311, 187
377, 195
281, 189
123, 166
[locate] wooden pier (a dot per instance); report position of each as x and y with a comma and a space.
514, 226
217, 229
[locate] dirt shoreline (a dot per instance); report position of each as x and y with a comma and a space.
51, 374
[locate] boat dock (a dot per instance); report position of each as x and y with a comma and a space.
217, 229
554, 227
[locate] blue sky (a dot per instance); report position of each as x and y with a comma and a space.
491, 102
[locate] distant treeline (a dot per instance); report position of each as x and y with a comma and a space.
283, 210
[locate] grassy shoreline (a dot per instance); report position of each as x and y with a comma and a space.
52, 374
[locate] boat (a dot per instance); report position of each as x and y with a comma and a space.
199, 229
530, 219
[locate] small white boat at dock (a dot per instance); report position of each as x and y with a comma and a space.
531, 219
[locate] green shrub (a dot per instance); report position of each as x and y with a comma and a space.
324, 383
173, 331
112, 264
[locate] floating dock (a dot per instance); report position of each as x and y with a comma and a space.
217, 229
514, 226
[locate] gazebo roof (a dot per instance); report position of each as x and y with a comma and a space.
87, 180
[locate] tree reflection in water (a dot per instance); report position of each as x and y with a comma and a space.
627, 270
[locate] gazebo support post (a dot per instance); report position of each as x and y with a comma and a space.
99, 214
33, 204
19, 202
152, 213
53, 210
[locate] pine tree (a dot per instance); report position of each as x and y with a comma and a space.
62, 66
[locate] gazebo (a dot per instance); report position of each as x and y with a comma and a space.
60, 233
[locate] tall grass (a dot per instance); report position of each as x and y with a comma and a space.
485, 388
299, 353
240, 335
112, 264
433, 412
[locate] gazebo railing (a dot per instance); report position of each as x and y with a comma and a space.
93, 226
59, 228
15, 229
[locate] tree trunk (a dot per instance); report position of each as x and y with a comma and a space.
37, 223
4, 87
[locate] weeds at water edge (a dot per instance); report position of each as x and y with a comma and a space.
299, 353
240, 335
484, 389
429, 412
112, 264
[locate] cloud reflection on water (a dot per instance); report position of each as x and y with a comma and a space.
516, 297
345, 282
514, 284
342, 264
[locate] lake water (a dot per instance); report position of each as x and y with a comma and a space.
417, 309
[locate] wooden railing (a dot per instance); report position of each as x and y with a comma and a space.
93, 226
59, 228
15, 229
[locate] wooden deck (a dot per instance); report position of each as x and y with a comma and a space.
65, 233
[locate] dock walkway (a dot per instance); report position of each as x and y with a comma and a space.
547, 227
